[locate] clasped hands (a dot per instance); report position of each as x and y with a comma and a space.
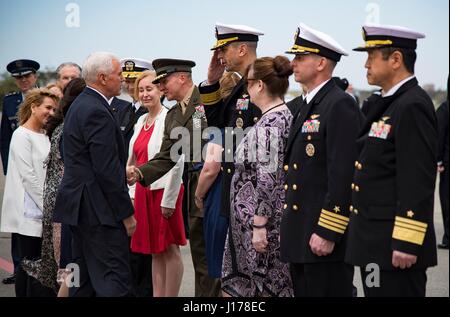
133, 175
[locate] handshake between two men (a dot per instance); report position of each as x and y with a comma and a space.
133, 175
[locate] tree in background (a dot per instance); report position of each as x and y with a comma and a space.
7, 84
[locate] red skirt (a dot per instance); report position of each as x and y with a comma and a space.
154, 232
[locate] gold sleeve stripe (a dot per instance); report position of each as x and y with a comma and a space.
333, 215
404, 225
344, 223
211, 98
412, 222
332, 223
331, 227
408, 235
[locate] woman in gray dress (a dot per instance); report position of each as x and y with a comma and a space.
251, 265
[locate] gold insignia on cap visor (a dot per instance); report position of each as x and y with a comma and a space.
223, 42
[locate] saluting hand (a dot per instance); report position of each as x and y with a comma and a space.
215, 69
403, 260
320, 246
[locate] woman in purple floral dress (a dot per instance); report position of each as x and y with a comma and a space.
251, 264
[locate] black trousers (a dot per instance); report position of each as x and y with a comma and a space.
27, 286
443, 194
103, 258
334, 279
15, 251
141, 269
398, 283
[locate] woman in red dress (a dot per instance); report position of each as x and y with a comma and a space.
160, 227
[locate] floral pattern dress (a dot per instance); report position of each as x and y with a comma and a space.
46, 268
257, 188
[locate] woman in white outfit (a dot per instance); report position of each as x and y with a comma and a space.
22, 200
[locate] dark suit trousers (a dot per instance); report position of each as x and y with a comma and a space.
398, 283
102, 254
443, 193
141, 269
333, 279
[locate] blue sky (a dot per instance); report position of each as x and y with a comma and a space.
152, 29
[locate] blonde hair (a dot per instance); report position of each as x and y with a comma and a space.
227, 83
144, 74
34, 97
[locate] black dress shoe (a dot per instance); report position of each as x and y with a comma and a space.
10, 280
443, 246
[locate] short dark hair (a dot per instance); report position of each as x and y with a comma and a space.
409, 56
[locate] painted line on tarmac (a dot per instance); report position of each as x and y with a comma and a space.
6, 266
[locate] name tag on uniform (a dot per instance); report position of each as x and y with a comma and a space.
380, 130
242, 104
311, 126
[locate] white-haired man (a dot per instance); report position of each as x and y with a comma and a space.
93, 197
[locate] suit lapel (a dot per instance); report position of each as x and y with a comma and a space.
119, 137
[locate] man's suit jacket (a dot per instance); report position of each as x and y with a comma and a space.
394, 181
442, 116
128, 117
94, 182
319, 161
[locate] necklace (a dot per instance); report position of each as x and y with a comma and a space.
148, 124
277, 106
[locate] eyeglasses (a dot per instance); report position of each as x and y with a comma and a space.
250, 79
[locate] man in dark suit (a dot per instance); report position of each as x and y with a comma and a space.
442, 116
185, 121
24, 73
234, 51
93, 196
391, 232
318, 163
